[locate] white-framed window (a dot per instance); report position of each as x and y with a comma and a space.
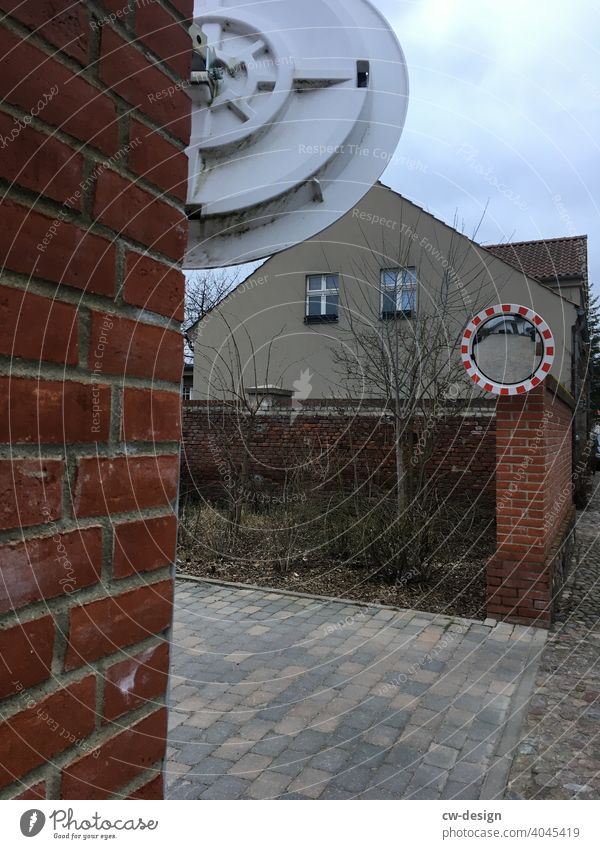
398, 292
186, 393
322, 297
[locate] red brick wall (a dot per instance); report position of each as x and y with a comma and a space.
92, 231
361, 445
534, 504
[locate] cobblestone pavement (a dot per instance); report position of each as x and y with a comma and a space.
281, 696
559, 756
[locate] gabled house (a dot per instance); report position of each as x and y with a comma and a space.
387, 260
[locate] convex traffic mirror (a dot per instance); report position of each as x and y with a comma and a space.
507, 349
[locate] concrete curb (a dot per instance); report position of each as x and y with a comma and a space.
325, 598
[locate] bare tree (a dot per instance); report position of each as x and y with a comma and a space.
241, 394
402, 339
204, 290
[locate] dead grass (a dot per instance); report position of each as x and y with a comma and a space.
348, 550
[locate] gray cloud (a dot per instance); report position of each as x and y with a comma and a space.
505, 111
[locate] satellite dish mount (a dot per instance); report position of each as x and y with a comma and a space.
297, 110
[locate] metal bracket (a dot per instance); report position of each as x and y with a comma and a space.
204, 71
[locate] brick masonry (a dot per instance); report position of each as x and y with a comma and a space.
92, 232
516, 455
534, 504
356, 445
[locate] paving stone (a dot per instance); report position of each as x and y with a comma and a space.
377, 794
401, 756
203, 720
257, 630
483, 731
415, 688
476, 752
397, 720
427, 719
233, 749
425, 676
219, 732
448, 735
442, 756
266, 688
310, 741
367, 755
174, 771
268, 785
326, 723
292, 725
470, 704
394, 779
456, 790
359, 720
354, 781
255, 730
181, 691
187, 790
403, 700
334, 793
290, 764
184, 734
310, 782
271, 746
417, 738
226, 787
193, 754
331, 760
382, 736
435, 703
250, 763
429, 779
492, 715
435, 665
467, 773
211, 766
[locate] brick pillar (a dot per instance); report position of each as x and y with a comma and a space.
92, 232
534, 503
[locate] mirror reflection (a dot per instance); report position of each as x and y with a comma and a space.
508, 349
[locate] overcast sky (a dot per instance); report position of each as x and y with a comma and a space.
505, 111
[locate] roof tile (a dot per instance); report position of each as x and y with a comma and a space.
547, 259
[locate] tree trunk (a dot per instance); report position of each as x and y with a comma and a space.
400, 468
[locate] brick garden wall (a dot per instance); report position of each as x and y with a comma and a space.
92, 231
359, 448
516, 455
534, 504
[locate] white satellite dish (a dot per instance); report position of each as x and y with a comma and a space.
298, 106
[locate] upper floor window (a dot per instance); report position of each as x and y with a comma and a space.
322, 297
398, 292
186, 392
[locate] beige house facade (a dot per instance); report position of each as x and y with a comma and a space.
387, 267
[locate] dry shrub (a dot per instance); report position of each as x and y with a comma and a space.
362, 532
